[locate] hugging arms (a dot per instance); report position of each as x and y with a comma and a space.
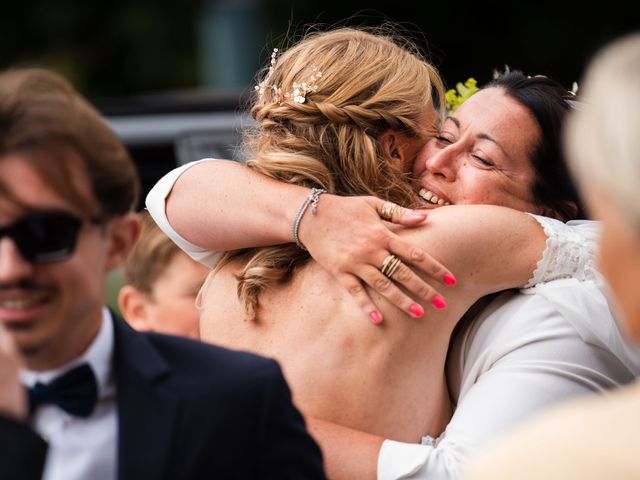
363, 131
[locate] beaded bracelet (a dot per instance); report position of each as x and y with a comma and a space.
312, 199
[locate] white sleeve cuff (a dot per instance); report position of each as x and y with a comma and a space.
401, 460
570, 251
155, 203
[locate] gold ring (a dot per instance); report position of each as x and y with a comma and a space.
390, 265
386, 213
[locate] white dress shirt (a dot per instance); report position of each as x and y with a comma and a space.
81, 448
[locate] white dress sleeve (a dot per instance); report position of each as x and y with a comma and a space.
155, 203
518, 357
570, 251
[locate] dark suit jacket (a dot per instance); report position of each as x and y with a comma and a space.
22, 451
188, 410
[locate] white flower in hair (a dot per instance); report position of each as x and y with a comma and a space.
261, 86
300, 90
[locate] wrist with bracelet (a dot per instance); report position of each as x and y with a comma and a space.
312, 199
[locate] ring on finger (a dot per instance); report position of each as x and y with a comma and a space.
390, 265
386, 212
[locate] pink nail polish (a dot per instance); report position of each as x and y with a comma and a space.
416, 310
449, 279
376, 317
417, 216
438, 302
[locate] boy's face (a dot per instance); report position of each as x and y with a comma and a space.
172, 304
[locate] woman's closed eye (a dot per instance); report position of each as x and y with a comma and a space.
483, 160
444, 138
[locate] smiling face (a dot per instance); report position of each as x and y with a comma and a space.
481, 155
53, 310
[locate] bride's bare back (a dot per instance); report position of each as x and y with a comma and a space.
387, 379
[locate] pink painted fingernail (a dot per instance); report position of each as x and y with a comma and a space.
418, 215
376, 317
449, 279
416, 310
438, 302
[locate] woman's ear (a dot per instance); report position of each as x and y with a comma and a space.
392, 146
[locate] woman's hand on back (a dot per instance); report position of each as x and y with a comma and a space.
349, 238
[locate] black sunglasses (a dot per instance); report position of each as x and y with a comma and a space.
45, 236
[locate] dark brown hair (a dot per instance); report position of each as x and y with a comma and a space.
549, 103
44, 119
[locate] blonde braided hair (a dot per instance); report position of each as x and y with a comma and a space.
370, 83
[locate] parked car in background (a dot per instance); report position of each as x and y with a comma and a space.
167, 130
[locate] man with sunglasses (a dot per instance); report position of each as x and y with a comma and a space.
115, 403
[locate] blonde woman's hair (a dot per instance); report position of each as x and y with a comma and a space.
602, 139
371, 82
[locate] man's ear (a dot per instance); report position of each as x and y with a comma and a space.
133, 306
123, 232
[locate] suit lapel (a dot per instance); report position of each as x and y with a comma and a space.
146, 412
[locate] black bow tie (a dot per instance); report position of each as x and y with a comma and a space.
75, 391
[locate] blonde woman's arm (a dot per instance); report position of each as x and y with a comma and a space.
218, 205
